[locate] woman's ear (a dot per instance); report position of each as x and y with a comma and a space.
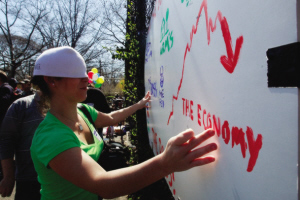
49, 81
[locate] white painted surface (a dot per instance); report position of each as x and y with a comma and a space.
242, 97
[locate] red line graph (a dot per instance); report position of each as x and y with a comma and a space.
229, 62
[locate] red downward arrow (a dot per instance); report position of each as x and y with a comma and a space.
230, 62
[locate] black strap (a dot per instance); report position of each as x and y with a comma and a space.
89, 117
86, 113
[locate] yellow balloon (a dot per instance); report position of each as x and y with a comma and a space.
95, 70
100, 80
102, 77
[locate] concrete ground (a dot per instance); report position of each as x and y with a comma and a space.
119, 198
12, 197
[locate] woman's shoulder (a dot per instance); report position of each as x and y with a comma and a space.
93, 112
51, 129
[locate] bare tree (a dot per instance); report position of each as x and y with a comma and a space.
18, 23
114, 23
114, 32
74, 23
86, 25
25, 68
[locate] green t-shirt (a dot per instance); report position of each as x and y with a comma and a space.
51, 138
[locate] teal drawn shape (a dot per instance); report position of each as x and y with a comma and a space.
166, 35
187, 2
164, 26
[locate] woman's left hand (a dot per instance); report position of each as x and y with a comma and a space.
142, 103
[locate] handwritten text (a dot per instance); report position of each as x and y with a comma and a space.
235, 134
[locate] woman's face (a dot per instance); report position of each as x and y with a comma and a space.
74, 89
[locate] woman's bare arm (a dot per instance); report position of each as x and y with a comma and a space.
77, 167
115, 117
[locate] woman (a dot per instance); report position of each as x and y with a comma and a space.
66, 145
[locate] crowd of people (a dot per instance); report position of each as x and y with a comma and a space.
49, 148
9, 92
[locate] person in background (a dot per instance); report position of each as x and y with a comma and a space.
17, 92
20, 122
26, 88
6, 93
66, 145
117, 102
95, 98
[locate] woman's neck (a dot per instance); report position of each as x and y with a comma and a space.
63, 108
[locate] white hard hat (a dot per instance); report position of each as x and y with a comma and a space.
60, 62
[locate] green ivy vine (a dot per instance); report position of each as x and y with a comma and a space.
130, 54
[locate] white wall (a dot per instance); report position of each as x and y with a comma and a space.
195, 69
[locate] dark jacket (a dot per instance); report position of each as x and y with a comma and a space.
19, 125
6, 95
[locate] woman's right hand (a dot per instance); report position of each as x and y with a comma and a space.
7, 186
180, 155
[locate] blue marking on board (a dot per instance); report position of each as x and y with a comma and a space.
153, 89
161, 90
148, 52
